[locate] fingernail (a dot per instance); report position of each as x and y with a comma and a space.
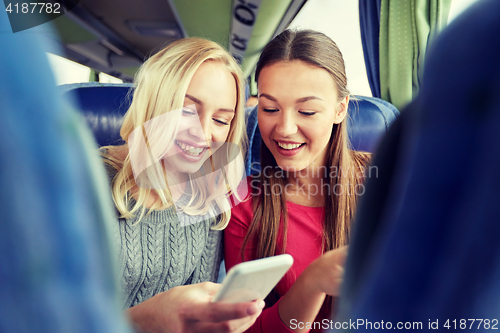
251, 310
262, 304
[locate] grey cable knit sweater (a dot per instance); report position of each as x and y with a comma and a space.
163, 250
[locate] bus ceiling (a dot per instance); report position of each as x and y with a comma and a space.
116, 36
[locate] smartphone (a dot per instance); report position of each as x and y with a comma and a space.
252, 280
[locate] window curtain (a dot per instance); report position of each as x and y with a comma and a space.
406, 28
369, 21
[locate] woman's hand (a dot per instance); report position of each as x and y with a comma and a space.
189, 309
326, 273
322, 277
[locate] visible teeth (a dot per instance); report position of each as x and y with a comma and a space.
194, 151
289, 145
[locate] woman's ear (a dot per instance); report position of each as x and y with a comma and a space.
341, 110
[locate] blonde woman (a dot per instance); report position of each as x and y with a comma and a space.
170, 182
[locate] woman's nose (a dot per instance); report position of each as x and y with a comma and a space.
200, 128
286, 125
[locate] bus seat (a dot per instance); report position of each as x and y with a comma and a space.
369, 118
102, 106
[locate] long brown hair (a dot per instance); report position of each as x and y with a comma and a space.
270, 213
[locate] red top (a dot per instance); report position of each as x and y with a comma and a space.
305, 228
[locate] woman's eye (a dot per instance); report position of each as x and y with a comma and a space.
270, 110
307, 113
221, 121
188, 112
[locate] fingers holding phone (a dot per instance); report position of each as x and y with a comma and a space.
190, 309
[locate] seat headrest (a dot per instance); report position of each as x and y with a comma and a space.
369, 118
102, 107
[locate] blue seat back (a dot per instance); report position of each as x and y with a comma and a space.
102, 106
369, 118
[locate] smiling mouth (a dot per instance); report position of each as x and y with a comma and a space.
290, 146
190, 150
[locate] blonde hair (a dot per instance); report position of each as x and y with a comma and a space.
161, 85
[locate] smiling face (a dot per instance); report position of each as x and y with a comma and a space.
298, 107
209, 107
